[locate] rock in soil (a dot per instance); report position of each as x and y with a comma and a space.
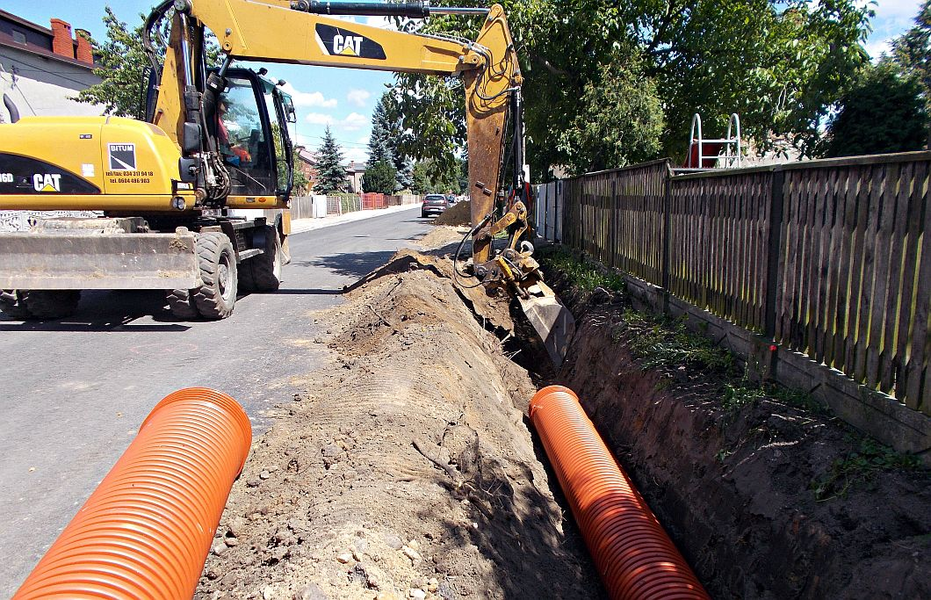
407, 469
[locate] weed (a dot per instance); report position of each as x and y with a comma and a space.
663, 384
859, 466
796, 398
739, 396
664, 343
584, 274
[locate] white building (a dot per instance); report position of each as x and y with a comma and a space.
42, 69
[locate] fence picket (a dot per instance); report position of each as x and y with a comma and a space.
881, 311
915, 367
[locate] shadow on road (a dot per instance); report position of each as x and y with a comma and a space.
305, 291
352, 264
108, 310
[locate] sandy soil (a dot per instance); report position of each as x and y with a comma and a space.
406, 469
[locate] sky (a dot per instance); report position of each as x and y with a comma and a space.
344, 98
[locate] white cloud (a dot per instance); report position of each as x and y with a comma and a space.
380, 22
309, 99
896, 9
354, 121
319, 119
358, 97
363, 140
876, 48
359, 155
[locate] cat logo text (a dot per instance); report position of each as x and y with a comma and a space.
47, 182
347, 45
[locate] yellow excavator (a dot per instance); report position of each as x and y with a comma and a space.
215, 140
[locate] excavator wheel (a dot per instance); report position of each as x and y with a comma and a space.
263, 272
217, 261
11, 304
50, 304
182, 304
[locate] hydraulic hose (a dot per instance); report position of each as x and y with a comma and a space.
634, 557
146, 530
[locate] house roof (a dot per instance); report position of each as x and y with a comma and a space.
6, 39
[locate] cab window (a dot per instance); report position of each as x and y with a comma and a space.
242, 139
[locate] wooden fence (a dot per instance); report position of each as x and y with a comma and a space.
830, 258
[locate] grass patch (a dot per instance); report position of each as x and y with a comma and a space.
583, 274
738, 396
663, 343
860, 467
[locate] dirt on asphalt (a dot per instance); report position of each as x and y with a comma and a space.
406, 468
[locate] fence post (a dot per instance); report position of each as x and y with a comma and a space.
667, 220
558, 224
773, 270
613, 220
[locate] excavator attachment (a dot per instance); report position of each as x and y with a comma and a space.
514, 271
551, 320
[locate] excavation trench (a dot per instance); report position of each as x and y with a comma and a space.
407, 467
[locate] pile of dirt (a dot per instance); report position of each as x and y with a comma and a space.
459, 213
406, 469
765, 496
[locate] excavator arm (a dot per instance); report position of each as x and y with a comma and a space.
291, 32
302, 32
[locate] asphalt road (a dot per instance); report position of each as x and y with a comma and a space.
73, 392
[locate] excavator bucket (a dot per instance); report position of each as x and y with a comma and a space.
551, 320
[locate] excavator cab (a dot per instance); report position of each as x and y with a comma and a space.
251, 131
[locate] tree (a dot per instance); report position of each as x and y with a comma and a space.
405, 173
781, 66
911, 52
379, 141
426, 179
121, 62
331, 176
883, 113
379, 177
122, 65
620, 121
403, 164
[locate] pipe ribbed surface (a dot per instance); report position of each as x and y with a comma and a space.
633, 554
146, 530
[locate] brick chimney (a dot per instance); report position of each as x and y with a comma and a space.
85, 52
62, 44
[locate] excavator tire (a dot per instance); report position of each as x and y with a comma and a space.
266, 267
182, 304
50, 304
217, 261
11, 304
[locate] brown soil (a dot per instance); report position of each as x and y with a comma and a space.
457, 214
405, 470
736, 488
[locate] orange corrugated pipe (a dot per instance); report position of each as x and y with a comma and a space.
146, 530
633, 554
